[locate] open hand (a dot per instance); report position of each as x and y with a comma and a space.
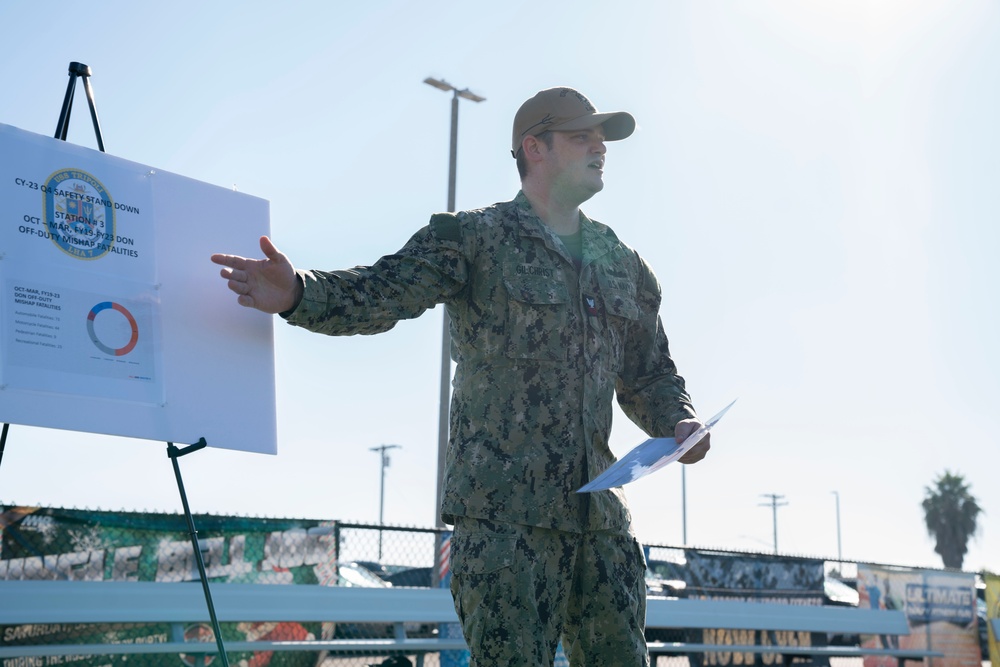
268, 284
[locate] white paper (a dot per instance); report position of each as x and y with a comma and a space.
648, 457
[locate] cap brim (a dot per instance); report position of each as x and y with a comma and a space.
618, 125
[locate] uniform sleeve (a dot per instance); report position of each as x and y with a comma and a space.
649, 389
428, 270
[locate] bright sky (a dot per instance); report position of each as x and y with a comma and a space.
815, 185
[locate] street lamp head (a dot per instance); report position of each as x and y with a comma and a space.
469, 95
439, 84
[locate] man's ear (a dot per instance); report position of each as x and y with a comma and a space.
533, 148
530, 144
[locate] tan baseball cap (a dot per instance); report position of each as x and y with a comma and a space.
565, 109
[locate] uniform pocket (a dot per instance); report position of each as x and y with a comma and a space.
620, 304
486, 589
620, 312
537, 316
480, 552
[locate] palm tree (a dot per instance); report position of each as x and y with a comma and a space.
950, 512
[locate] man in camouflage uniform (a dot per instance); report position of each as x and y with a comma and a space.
551, 316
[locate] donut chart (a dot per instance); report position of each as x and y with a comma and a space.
107, 349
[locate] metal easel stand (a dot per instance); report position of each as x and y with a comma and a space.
3, 440
78, 70
174, 453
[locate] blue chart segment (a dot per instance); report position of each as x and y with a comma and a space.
107, 349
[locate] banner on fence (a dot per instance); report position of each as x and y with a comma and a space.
85, 545
712, 575
51, 543
992, 582
940, 608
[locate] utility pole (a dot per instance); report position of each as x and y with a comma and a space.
384, 463
774, 504
684, 507
836, 495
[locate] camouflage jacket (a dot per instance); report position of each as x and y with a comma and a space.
541, 349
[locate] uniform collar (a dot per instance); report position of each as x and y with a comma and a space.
597, 241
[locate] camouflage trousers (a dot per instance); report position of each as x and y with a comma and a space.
520, 589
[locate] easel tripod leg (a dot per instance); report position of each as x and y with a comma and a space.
174, 453
81, 71
3, 440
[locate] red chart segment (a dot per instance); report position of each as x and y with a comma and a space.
107, 349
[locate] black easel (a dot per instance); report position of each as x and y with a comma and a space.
82, 71
174, 453
76, 70
3, 440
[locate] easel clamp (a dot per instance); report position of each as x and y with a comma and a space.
173, 452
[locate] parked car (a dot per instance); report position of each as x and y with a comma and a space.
659, 586
840, 593
378, 569
663, 578
353, 573
414, 577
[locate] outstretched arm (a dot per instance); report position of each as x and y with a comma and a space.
268, 284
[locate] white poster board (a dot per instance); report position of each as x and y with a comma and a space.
112, 317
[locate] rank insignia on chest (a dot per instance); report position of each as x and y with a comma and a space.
590, 305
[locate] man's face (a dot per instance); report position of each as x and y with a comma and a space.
576, 162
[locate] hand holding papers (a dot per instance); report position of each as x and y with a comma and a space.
648, 457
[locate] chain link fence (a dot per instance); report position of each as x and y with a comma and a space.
83, 545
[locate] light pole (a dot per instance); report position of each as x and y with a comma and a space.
684, 506
837, 497
445, 396
384, 463
774, 504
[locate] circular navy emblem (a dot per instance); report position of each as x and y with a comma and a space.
79, 214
